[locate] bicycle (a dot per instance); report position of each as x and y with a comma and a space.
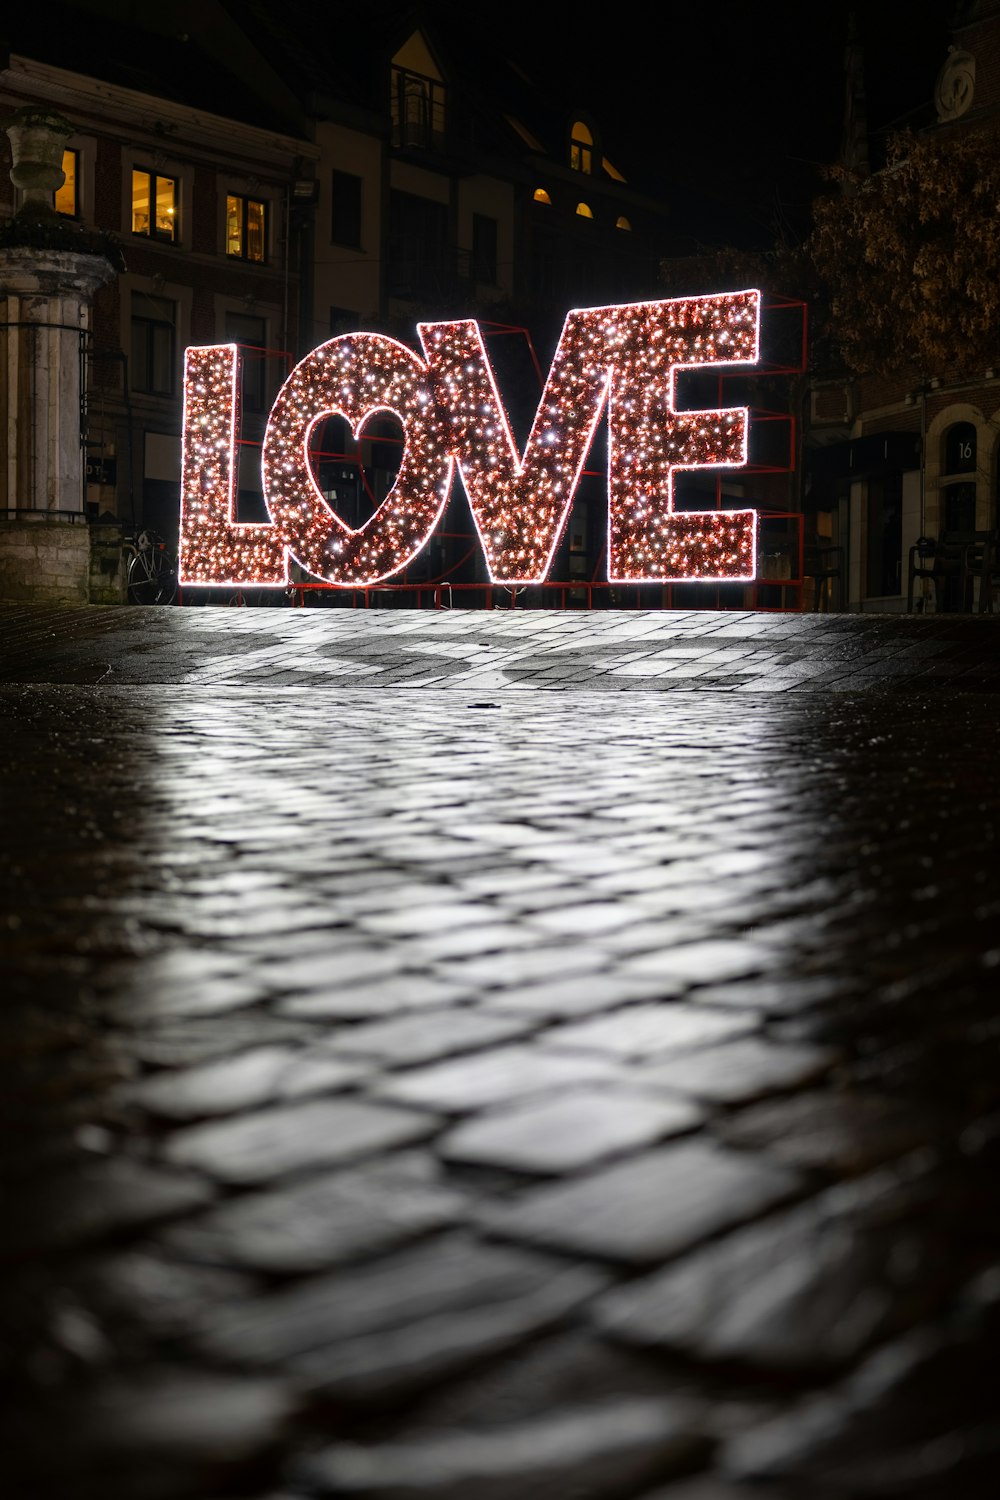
150, 570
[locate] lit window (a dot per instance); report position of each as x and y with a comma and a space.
581, 148
611, 170
246, 227
541, 196
154, 205
66, 199
622, 223
584, 211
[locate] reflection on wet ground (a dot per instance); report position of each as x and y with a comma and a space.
548, 1094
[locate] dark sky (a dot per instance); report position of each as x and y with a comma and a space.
732, 108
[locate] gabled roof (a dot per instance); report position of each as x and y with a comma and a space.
504, 96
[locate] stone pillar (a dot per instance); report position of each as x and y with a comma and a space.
45, 300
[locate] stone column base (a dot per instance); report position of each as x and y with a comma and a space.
44, 561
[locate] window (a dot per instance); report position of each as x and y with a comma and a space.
343, 320
154, 205
584, 211
153, 324
419, 263
251, 334
622, 223
345, 222
418, 95
246, 227
484, 249
417, 109
581, 148
541, 196
67, 201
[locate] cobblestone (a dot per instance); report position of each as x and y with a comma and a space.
592, 1453
811, 1287
575, 1129
509, 1053
650, 1207
268, 1143
323, 1221
741, 1071
421, 1313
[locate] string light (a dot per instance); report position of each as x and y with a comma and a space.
624, 357
213, 547
356, 376
628, 355
651, 442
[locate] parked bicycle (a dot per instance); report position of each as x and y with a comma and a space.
150, 570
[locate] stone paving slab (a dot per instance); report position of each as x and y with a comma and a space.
616, 651
508, 1052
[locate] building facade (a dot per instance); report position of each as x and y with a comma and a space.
903, 468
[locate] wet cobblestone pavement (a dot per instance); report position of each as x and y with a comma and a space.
499, 1055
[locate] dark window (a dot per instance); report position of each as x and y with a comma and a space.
885, 535
343, 320
345, 223
418, 109
154, 205
246, 227
418, 246
67, 201
960, 449
153, 340
484, 248
251, 335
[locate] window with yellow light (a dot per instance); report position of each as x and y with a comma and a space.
154, 205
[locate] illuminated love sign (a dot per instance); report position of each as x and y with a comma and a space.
624, 359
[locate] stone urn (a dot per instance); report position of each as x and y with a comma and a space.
37, 139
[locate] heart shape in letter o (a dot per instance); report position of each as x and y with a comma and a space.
356, 376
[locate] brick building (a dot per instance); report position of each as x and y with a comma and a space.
201, 200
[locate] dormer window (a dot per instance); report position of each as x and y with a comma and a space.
581, 148
418, 96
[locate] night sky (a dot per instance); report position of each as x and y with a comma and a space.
730, 110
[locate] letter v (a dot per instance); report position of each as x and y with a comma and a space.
520, 505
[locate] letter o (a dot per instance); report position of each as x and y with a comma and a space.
355, 376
